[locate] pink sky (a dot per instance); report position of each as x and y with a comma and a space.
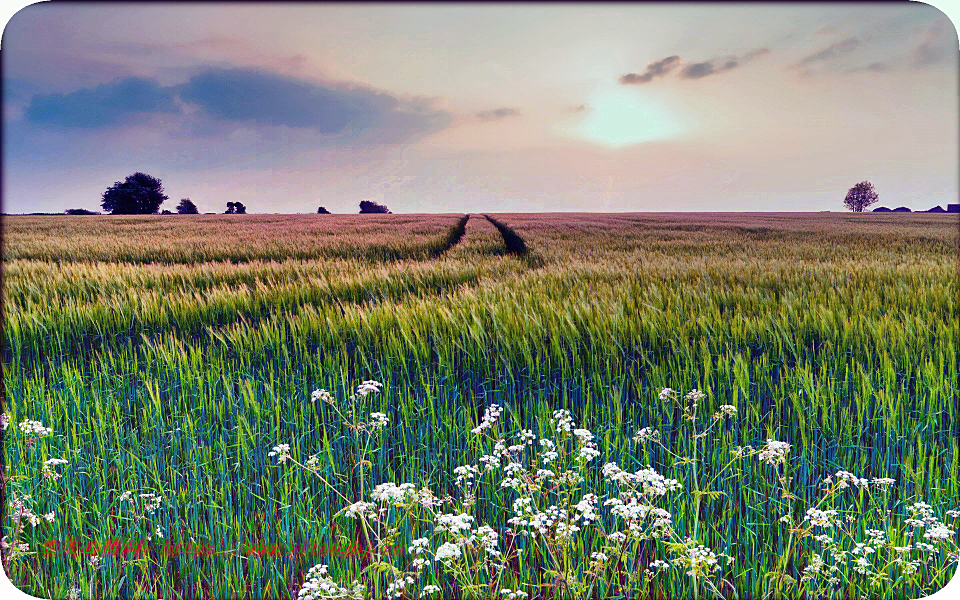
442, 108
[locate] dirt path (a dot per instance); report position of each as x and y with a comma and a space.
511, 239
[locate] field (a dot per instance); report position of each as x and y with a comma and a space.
170, 355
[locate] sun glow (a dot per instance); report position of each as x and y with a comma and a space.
623, 117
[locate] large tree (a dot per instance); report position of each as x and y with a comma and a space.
860, 196
138, 194
368, 207
235, 208
187, 207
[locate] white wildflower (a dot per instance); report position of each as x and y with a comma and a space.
369, 387
774, 453
725, 410
281, 451
447, 552
563, 420
322, 396
378, 420
34, 428
490, 417
392, 493
647, 434
358, 510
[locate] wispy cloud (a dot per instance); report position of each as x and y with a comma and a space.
655, 69
691, 70
937, 45
875, 67
710, 67
495, 114
832, 51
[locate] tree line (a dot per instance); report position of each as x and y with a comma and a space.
142, 194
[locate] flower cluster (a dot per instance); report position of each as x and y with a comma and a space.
318, 585
581, 527
282, 452
369, 387
490, 417
49, 469
34, 429
774, 453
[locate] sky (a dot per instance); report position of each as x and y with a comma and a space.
482, 107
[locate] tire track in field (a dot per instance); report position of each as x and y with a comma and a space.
511, 239
453, 236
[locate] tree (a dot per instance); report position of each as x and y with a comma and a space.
368, 207
165, 212
860, 196
139, 194
187, 207
80, 211
236, 208
323, 211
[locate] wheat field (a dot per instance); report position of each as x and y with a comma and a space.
170, 355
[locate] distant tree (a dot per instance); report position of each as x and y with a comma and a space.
138, 194
860, 196
236, 208
368, 207
79, 211
187, 207
165, 212
323, 211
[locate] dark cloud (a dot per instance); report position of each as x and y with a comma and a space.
755, 54
710, 67
830, 52
222, 99
497, 113
655, 69
696, 70
106, 105
253, 96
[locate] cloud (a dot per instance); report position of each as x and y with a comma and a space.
698, 70
832, 51
695, 70
939, 44
578, 108
219, 100
876, 67
655, 69
755, 54
258, 97
106, 105
496, 114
